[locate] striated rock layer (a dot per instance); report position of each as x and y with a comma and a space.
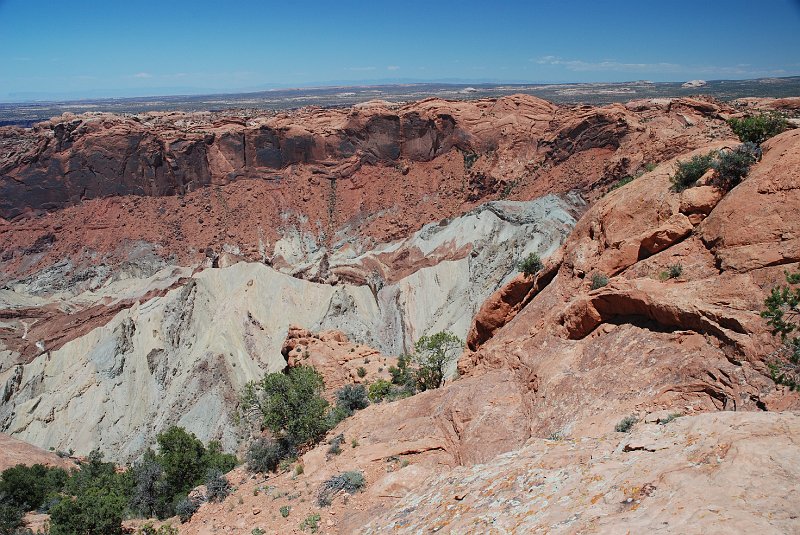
111, 367
523, 440
274, 188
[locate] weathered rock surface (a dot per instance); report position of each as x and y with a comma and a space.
361, 246
14, 452
706, 473
644, 341
113, 365
711, 473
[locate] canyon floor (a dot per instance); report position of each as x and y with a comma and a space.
152, 264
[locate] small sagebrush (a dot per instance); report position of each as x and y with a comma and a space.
531, 265
350, 482
217, 486
626, 424
690, 171
599, 280
758, 128
265, 454
185, 508
732, 165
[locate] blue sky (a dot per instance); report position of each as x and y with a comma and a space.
91, 48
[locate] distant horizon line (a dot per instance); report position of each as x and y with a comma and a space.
274, 87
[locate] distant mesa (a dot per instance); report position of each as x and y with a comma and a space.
693, 83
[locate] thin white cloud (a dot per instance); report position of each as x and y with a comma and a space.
142, 75
361, 68
392, 68
606, 65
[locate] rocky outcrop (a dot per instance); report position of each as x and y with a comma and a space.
16, 452
238, 184
696, 474
699, 340
769, 233
336, 358
135, 355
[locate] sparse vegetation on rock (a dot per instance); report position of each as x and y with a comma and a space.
311, 522
599, 280
531, 265
689, 171
758, 128
350, 482
432, 355
626, 424
783, 316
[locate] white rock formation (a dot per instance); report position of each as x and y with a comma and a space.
183, 358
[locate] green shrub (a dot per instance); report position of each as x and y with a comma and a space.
27, 487
432, 355
669, 418
336, 445
401, 374
675, 270
97, 510
626, 424
291, 404
215, 458
185, 508
531, 265
311, 522
733, 165
361, 371
622, 182
164, 529
379, 390
258, 531
183, 458
264, 455
217, 486
781, 313
758, 128
285, 510
690, 171
350, 482
10, 518
352, 398
599, 280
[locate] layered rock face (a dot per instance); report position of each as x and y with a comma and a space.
111, 367
153, 265
554, 364
64, 161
